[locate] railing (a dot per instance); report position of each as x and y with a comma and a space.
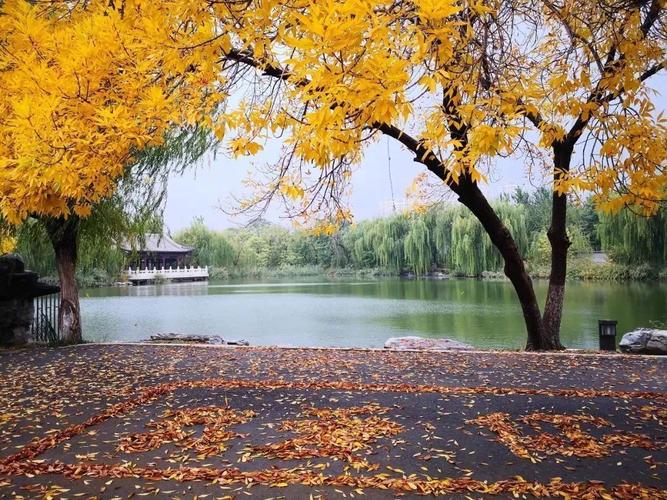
169, 273
45, 326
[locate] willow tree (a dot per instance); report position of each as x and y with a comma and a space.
417, 246
635, 239
79, 98
211, 248
127, 214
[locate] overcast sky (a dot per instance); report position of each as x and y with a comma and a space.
202, 190
212, 184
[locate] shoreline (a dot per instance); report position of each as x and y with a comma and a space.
566, 352
374, 274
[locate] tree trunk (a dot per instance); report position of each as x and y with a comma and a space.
560, 242
63, 235
471, 196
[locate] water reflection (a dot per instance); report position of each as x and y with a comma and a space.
360, 313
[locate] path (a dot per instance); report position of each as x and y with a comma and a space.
116, 421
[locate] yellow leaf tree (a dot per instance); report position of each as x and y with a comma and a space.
457, 83
588, 100
555, 85
80, 97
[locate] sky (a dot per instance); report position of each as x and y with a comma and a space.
214, 182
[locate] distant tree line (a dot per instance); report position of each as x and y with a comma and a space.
443, 237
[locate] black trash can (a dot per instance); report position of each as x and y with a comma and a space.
607, 333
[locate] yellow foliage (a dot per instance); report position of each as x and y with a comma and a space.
81, 89
242, 146
7, 243
292, 191
81, 92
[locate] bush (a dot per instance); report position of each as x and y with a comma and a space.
583, 269
94, 278
218, 273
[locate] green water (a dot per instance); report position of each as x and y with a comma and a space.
360, 313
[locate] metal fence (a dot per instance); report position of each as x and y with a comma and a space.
45, 320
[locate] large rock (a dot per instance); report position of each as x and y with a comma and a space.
420, 343
185, 338
645, 341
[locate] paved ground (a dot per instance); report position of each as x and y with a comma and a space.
184, 422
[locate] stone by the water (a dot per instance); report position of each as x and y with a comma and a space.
237, 342
420, 343
186, 338
645, 341
178, 338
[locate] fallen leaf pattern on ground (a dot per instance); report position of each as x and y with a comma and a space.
570, 441
341, 433
515, 486
177, 427
119, 421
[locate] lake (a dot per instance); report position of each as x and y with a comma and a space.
346, 313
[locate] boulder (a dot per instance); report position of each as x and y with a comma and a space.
422, 344
237, 342
184, 338
645, 341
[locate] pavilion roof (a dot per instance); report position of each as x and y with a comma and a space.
155, 243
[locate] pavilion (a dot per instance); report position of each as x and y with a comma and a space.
157, 251
158, 257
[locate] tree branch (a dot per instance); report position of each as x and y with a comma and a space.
597, 96
422, 154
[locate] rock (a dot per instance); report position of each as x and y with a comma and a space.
184, 338
645, 341
237, 342
420, 343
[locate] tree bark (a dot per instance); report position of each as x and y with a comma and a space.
560, 242
471, 196
63, 235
